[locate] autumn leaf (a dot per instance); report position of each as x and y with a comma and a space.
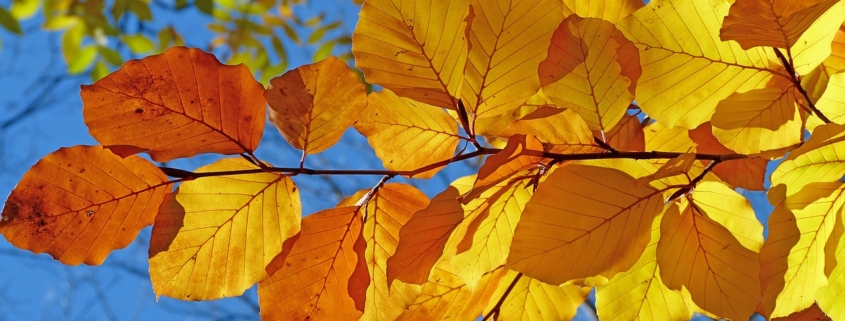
776, 23
813, 313
680, 165
530, 299
607, 221
416, 49
686, 69
80, 203
445, 297
592, 68
832, 102
814, 46
407, 135
612, 11
507, 41
747, 173
815, 161
180, 103
715, 225
639, 293
563, 130
314, 104
792, 259
386, 212
627, 135
816, 81
829, 298
512, 159
214, 236
319, 274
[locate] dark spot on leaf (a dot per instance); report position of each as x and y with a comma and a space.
81, 170
139, 110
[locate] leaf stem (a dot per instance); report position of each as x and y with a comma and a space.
787, 62
498, 307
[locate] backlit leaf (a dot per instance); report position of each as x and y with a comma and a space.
832, 102
710, 248
177, 104
746, 173
813, 313
592, 68
816, 160
314, 104
816, 81
406, 134
639, 293
319, 274
506, 163
775, 23
627, 135
680, 165
760, 119
830, 297
564, 130
583, 221
214, 236
386, 212
792, 259
814, 46
80, 203
687, 69
446, 297
508, 40
530, 299
612, 11
416, 49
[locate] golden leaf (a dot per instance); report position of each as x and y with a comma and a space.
511, 160
830, 297
583, 221
563, 130
792, 259
416, 49
748, 173
407, 135
80, 203
180, 103
612, 11
627, 135
814, 46
446, 297
592, 68
386, 212
813, 313
774, 23
530, 299
314, 104
815, 82
214, 236
321, 275
687, 69
816, 160
508, 40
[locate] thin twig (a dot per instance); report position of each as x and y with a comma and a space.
797, 82
497, 308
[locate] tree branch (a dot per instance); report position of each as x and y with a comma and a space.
797, 82
498, 307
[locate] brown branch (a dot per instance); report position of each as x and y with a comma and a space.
498, 307
797, 82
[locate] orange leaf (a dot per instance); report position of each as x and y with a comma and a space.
511, 160
564, 130
772, 23
627, 135
407, 135
583, 221
214, 236
320, 275
446, 297
80, 203
748, 173
314, 104
416, 49
612, 11
508, 40
813, 313
177, 104
386, 212
592, 68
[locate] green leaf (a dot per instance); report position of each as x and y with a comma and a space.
205, 6
110, 55
23, 9
71, 41
291, 33
138, 43
324, 51
141, 9
9, 22
83, 60
100, 70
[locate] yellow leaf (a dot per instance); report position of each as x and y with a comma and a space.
680, 165
508, 40
492, 238
612, 11
214, 236
423, 238
530, 299
675, 139
687, 69
815, 82
322, 273
564, 130
80, 203
748, 173
386, 212
760, 119
813, 313
592, 68
710, 248
814, 46
830, 297
493, 126
177, 104
639, 293
583, 221
446, 297
416, 49
314, 104
775, 23
816, 160
407, 135
832, 102
793, 261
511, 160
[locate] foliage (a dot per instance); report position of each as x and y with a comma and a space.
616, 136
98, 34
